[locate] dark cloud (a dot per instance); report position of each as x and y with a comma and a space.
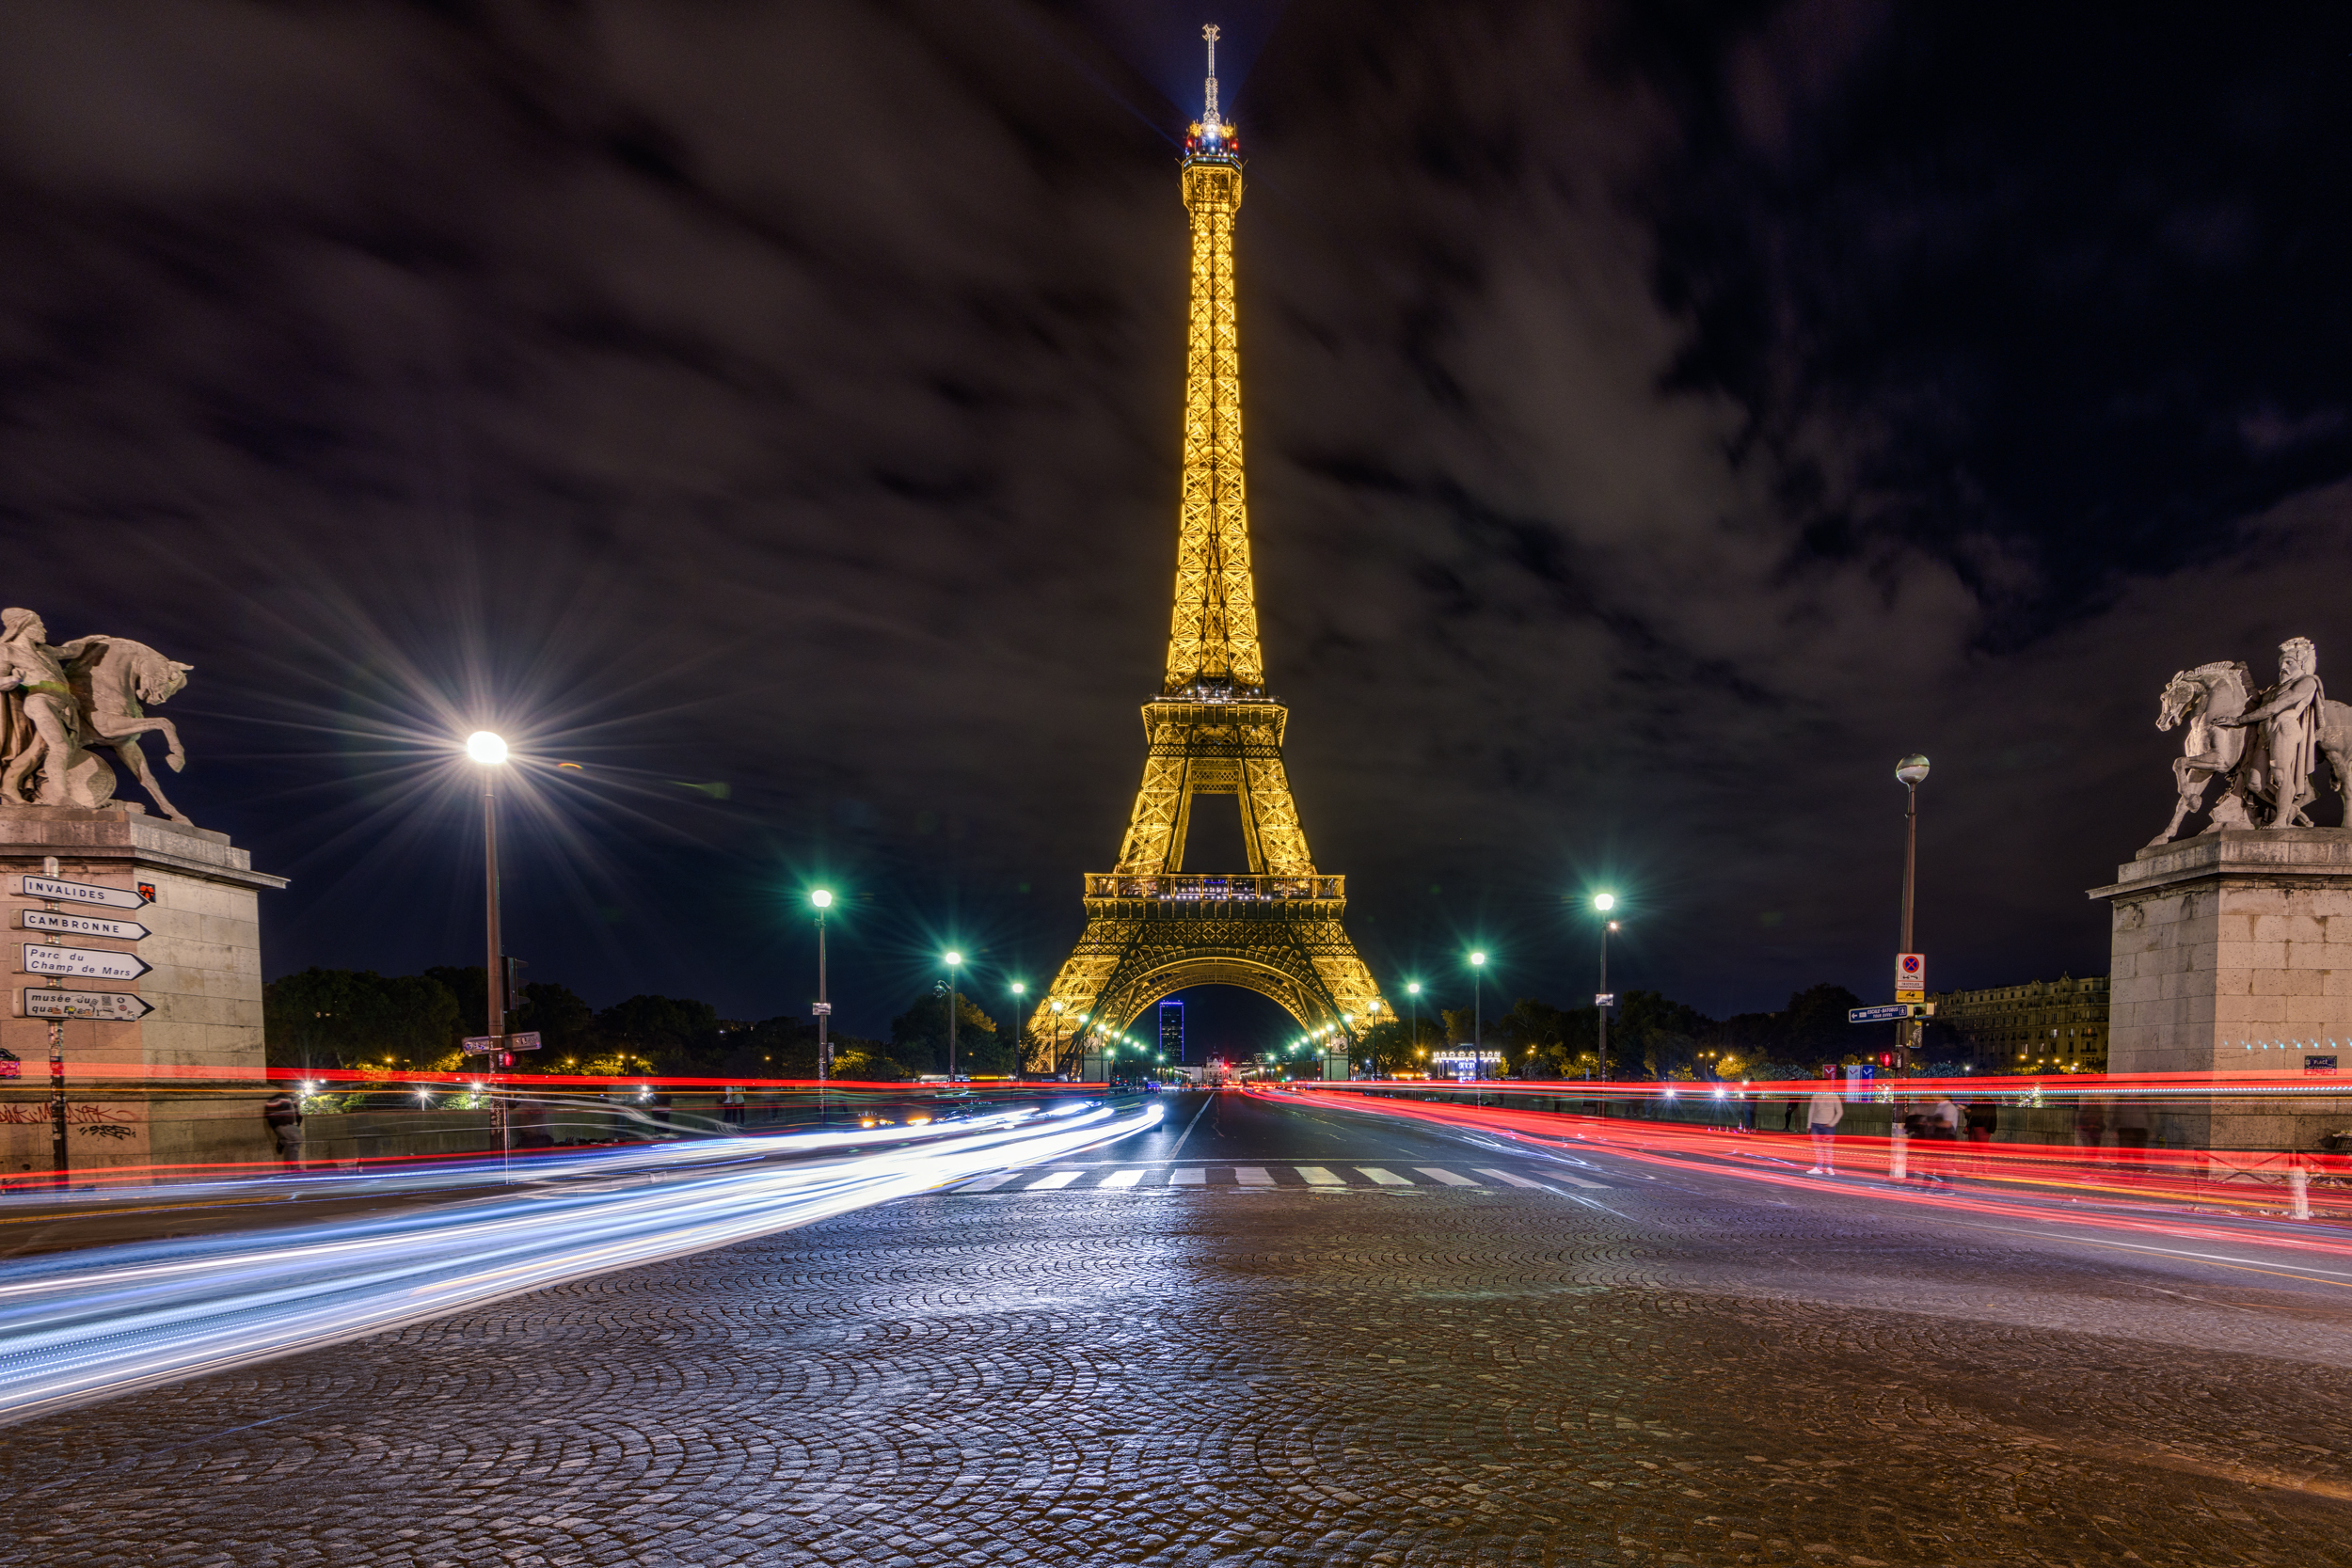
1661, 419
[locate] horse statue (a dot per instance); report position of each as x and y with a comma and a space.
112, 676
2223, 689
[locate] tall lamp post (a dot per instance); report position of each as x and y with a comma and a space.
1604, 902
953, 959
1912, 771
823, 899
1020, 1057
1412, 989
1478, 1016
489, 751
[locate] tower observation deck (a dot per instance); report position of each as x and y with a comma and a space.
1212, 729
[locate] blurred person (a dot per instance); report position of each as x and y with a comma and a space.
2129, 1118
2090, 1124
1822, 1114
1943, 1140
1984, 1120
282, 1112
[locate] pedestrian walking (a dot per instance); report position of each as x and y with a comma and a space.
2090, 1124
2129, 1119
1984, 1119
1822, 1114
282, 1112
1941, 1140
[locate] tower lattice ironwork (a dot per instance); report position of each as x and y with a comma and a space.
1151, 928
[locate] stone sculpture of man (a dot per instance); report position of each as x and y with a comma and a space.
41, 724
2289, 713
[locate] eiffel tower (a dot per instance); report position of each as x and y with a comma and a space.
1152, 928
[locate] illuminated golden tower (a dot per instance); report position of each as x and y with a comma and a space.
1151, 928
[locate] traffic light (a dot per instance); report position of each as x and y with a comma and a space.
506, 1058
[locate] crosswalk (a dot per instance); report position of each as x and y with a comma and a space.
1265, 1178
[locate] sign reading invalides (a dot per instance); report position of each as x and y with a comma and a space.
92, 894
105, 1006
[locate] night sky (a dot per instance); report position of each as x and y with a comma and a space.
1661, 416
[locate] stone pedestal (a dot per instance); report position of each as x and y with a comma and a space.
2232, 954
183, 1084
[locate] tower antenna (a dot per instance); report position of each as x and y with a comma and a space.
1212, 124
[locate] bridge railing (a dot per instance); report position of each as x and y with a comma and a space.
1185, 888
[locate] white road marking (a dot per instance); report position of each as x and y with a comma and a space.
1317, 1176
1252, 1176
1589, 1186
1122, 1178
1445, 1175
1514, 1180
1193, 1176
1058, 1179
988, 1183
1384, 1178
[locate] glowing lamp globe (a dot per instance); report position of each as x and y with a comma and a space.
821, 899
1913, 769
486, 748
1604, 902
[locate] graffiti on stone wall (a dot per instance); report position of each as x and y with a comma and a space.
23, 1114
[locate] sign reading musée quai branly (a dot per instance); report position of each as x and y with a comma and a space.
107, 1007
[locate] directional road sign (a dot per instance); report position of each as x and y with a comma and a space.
1892, 1013
84, 964
109, 1007
482, 1045
67, 925
90, 894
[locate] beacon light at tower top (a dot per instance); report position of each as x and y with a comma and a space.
1212, 134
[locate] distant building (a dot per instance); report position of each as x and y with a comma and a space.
1172, 1031
2042, 1027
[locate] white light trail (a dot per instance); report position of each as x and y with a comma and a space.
80, 1326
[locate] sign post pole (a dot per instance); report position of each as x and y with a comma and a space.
59, 1156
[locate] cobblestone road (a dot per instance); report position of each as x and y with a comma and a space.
1628, 1368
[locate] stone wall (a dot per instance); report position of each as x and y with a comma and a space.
183, 1084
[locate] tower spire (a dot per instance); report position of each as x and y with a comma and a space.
1213, 635
1212, 123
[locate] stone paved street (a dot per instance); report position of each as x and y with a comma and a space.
1616, 1364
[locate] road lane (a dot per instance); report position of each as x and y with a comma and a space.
1680, 1367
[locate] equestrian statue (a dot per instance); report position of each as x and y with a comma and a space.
59, 703
2263, 745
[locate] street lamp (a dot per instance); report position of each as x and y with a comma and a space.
823, 899
1912, 771
1019, 989
489, 752
953, 959
1604, 902
1478, 1014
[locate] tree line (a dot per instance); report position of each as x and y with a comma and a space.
1650, 1036
358, 1019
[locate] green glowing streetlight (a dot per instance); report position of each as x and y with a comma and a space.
951, 957
821, 899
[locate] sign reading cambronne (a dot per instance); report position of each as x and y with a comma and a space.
90, 894
84, 964
66, 925
107, 1007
